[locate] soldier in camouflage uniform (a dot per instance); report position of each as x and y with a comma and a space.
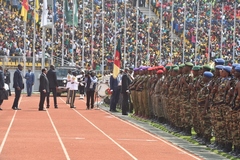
203, 105
235, 103
151, 82
139, 89
157, 96
185, 108
172, 95
193, 98
145, 93
132, 88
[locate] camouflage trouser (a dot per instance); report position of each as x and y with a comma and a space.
139, 95
169, 109
219, 124
177, 115
163, 105
205, 122
213, 109
134, 99
151, 104
146, 105
228, 125
195, 117
143, 100
186, 113
159, 106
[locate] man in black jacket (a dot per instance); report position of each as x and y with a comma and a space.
7, 76
1, 84
125, 83
43, 88
18, 86
53, 85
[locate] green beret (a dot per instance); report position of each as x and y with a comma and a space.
168, 67
200, 67
181, 65
207, 67
176, 68
196, 68
189, 64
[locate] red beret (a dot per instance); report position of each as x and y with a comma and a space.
150, 68
160, 72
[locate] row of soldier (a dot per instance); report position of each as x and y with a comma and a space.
187, 96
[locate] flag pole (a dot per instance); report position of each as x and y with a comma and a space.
83, 39
34, 38
73, 32
103, 38
115, 28
53, 14
184, 31
160, 45
221, 43
24, 55
209, 33
63, 30
196, 44
43, 46
92, 33
136, 51
125, 25
172, 32
234, 31
148, 54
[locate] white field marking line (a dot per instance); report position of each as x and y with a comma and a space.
58, 136
143, 140
161, 139
106, 135
9, 128
103, 132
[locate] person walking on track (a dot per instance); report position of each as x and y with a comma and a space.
43, 88
29, 81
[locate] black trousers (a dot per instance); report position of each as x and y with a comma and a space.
81, 89
9, 91
16, 99
125, 104
90, 98
54, 92
42, 99
1, 101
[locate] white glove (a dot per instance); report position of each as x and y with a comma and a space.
127, 91
111, 90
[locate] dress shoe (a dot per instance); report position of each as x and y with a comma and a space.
48, 106
72, 107
16, 108
124, 114
19, 109
41, 109
56, 106
1, 109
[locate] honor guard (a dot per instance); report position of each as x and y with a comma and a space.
69, 77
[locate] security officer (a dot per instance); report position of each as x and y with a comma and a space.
157, 96
69, 78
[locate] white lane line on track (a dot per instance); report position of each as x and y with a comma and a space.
9, 128
104, 134
161, 139
58, 136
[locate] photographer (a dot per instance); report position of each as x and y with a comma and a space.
90, 84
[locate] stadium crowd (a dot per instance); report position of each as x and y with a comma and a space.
11, 37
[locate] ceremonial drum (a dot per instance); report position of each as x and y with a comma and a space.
101, 89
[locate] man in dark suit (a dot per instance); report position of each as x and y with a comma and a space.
18, 86
7, 76
53, 85
115, 89
125, 83
29, 82
1, 84
43, 88
91, 82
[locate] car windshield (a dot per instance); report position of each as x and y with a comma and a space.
62, 72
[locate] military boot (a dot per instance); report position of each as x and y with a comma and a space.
227, 147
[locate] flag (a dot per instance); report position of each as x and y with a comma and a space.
36, 11
117, 60
24, 10
54, 12
44, 14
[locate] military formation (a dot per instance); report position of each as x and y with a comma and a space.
187, 97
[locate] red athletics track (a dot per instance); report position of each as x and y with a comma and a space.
76, 134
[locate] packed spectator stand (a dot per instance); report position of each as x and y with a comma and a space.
11, 35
